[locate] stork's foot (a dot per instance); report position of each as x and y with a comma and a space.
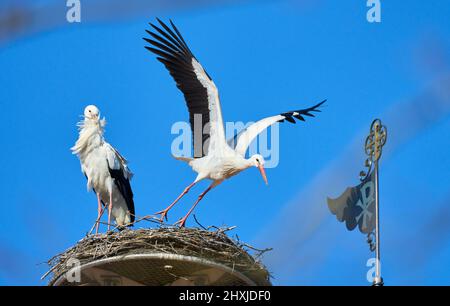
182, 222
163, 214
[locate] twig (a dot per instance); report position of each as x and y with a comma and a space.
260, 251
196, 221
96, 221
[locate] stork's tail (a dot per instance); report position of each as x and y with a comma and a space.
185, 159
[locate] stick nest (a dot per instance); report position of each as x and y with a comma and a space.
212, 245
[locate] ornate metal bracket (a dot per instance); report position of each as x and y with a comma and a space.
373, 148
371, 241
376, 140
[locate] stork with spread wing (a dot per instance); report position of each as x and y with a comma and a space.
219, 161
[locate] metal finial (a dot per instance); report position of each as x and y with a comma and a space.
374, 148
376, 140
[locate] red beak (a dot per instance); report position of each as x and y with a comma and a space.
263, 173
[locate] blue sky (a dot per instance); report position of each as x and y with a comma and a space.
266, 57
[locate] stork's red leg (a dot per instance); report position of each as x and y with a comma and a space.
109, 210
99, 213
182, 222
164, 212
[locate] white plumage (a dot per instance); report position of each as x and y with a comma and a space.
220, 160
106, 170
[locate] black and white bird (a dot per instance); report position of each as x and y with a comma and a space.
106, 170
220, 160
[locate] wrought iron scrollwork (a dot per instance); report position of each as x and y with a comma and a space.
373, 148
371, 241
375, 141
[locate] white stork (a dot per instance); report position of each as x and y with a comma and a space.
220, 161
106, 170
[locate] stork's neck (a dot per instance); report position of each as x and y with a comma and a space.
244, 163
91, 136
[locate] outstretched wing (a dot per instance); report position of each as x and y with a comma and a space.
200, 92
119, 171
245, 138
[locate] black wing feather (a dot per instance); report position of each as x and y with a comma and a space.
171, 48
124, 186
298, 114
289, 117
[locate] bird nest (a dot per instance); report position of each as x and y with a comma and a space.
203, 244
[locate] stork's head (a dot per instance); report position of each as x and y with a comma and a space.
258, 161
91, 112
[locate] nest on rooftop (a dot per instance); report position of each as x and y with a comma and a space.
211, 245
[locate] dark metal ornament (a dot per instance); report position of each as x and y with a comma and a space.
375, 141
374, 148
358, 206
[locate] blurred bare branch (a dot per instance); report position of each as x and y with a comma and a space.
20, 19
13, 263
433, 234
